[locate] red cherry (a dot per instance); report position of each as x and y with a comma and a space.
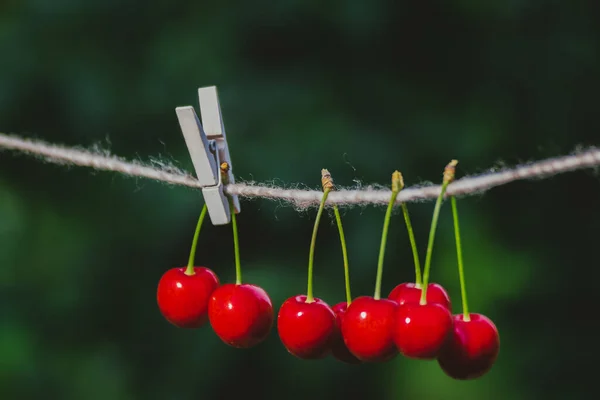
367, 329
183, 299
338, 347
410, 293
306, 329
422, 330
241, 315
472, 349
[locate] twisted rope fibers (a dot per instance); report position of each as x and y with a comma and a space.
468, 185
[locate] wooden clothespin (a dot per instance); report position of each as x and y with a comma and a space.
208, 148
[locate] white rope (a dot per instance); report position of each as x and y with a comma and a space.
468, 185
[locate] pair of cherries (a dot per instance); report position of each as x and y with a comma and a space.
465, 345
240, 314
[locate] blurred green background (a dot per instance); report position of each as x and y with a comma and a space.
358, 87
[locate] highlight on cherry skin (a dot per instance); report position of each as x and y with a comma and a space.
339, 350
183, 299
410, 292
368, 329
472, 348
241, 315
306, 329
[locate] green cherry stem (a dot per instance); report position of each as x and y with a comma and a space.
327, 184
461, 272
396, 186
190, 267
313, 241
411, 237
338, 219
236, 248
413, 245
448, 177
224, 169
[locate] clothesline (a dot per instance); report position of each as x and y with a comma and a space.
468, 185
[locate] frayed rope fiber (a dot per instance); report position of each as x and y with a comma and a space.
468, 185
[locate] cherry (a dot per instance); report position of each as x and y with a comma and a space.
240, 314
474, 342
183, 298
472, 348
306, 324
183, 293
368, 324
305, 328
422, 330
411, 293
367, 329
338, 348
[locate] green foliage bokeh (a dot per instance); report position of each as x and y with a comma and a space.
360, 88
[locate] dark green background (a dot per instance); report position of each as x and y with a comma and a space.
360, 88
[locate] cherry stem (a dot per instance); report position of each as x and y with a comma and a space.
461, 272
236, 248
338, 219
413, 245
224, 169
313, 241
190, 267
448, 177
396, 179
